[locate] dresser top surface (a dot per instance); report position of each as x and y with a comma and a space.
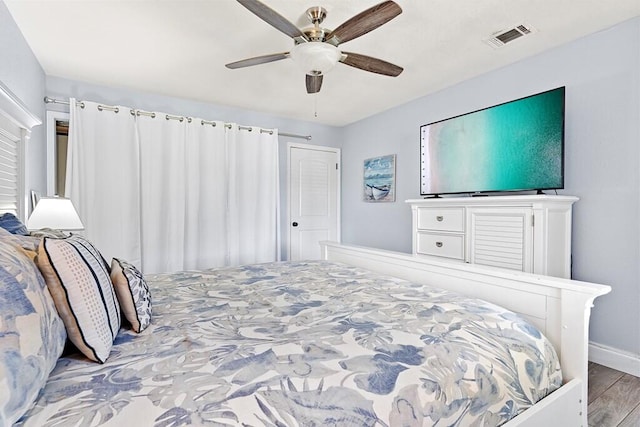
495, 200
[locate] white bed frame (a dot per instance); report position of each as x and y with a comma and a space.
559, 307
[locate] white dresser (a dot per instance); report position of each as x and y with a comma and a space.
526, 233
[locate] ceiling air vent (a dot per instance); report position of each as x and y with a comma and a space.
500, 38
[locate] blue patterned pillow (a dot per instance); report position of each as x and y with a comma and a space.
133, 294
29, 243
32, 335
78, 279
12, 224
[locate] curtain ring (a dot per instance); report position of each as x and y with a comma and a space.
114, 109
179, 118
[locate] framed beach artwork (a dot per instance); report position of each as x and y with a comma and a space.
379, 183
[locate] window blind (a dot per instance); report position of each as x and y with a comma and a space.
10, 160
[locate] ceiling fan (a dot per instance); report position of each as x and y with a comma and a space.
316, 48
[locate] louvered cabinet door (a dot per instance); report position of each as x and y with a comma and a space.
501, 237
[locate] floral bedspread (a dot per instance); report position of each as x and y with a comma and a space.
306, 344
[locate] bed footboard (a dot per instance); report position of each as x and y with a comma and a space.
560, 308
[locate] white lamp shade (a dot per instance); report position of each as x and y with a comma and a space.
315, 58
54, 212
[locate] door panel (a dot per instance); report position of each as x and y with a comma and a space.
308, 242
314, 188
313, 201
501, 238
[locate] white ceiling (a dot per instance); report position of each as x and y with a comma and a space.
179, 47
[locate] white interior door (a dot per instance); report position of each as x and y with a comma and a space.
314, 199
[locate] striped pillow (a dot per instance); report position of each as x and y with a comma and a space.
78, 280
133, 293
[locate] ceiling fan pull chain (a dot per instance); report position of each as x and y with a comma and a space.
315, 105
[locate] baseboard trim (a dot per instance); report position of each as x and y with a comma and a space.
614, 358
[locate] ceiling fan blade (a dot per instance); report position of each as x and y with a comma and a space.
257, 60
370, 64
364, 22
274, 19
314, 83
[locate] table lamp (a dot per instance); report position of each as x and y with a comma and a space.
56, 213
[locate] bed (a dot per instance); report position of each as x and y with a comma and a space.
362, 337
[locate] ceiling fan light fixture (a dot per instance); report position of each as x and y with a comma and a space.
316, 58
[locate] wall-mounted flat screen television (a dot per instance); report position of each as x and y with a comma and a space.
515, 146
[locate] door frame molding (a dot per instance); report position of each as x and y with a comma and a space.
52, 152
290, 145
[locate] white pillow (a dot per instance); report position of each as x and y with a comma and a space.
78, 279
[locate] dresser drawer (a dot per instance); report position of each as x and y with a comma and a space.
443, 219
443, 245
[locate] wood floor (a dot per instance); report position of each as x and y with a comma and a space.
614, 398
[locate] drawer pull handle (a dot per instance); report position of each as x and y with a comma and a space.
439, 218
439, 244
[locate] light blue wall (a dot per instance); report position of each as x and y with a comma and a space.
23, 75
602, 75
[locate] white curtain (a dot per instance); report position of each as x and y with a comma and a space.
253, 196
103, 178
206, 241
174, 194
163, 192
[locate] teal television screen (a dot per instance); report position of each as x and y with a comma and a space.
515, 146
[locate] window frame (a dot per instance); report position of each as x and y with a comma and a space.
13, 110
